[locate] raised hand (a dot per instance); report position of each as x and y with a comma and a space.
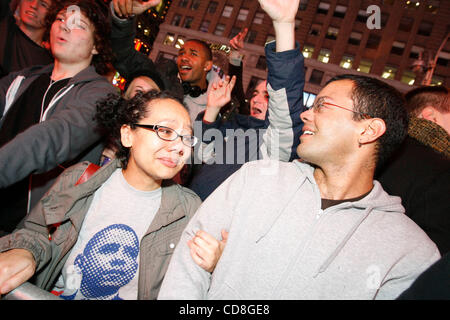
280, 10
125, 8
237, 43
219, 95
207, 250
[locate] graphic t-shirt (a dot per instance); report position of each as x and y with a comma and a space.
104, 263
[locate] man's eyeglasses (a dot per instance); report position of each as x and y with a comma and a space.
320, 103
168, 134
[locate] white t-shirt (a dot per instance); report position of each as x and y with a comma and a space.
104, 263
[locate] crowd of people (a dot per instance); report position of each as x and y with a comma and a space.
178, 188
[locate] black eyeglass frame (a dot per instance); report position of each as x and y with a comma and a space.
156, 127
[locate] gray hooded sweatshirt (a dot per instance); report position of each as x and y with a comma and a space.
282, 245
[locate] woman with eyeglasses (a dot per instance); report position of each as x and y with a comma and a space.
112, 236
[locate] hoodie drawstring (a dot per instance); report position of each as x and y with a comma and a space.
344, 241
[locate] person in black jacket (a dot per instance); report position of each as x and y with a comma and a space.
419, 172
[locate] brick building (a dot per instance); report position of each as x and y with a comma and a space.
381, 38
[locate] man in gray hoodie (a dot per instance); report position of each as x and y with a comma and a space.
320, 228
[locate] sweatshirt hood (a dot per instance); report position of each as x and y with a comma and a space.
376, 200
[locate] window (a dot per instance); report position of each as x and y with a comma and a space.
227, 11
389, 72
251, 36
398, 48
324, 55
315, 29
308, 99
433, 6
340, 11
307, 51
408, 77
180, 42
220, 28
415, 52
195, 4
212, 7
437, 81
262, 63
234, 32
323, 8
204, 26
169, 39
355, 38
362, 16
316, 77
259, 18
243, 13
188, 22
347, 62
332, 33
364, 66
384, 19
183, 3
425, 28
303, 5
443, 58
406, 24
176, 20
373, 41
163, 56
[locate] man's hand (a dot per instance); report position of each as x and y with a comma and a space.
237, 43
280, 10
125, 8
16, 267
218, 96
206, 250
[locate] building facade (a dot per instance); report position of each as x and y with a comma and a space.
382, 38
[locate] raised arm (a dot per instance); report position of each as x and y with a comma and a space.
285, 82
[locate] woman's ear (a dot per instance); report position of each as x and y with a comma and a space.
126, 136
373, 129
94, 51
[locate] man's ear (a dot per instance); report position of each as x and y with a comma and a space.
126, 137
428, 113
373, 129
208, 65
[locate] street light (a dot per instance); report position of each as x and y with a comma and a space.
424, 64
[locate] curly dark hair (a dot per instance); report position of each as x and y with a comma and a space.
98, 14
378, 99
115, 111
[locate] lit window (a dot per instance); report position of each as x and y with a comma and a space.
347, 62
408, 77
324, 56
220, 28
364, 66
332, 33
179, 43
242, 16
227, 11
389, 72
259, 18
308, 51
169, 39
437, 81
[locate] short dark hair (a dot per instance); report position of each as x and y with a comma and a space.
115, 111
378, 99
417, 99
206, 47
98, 14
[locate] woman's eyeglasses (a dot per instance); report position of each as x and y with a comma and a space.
168, 134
